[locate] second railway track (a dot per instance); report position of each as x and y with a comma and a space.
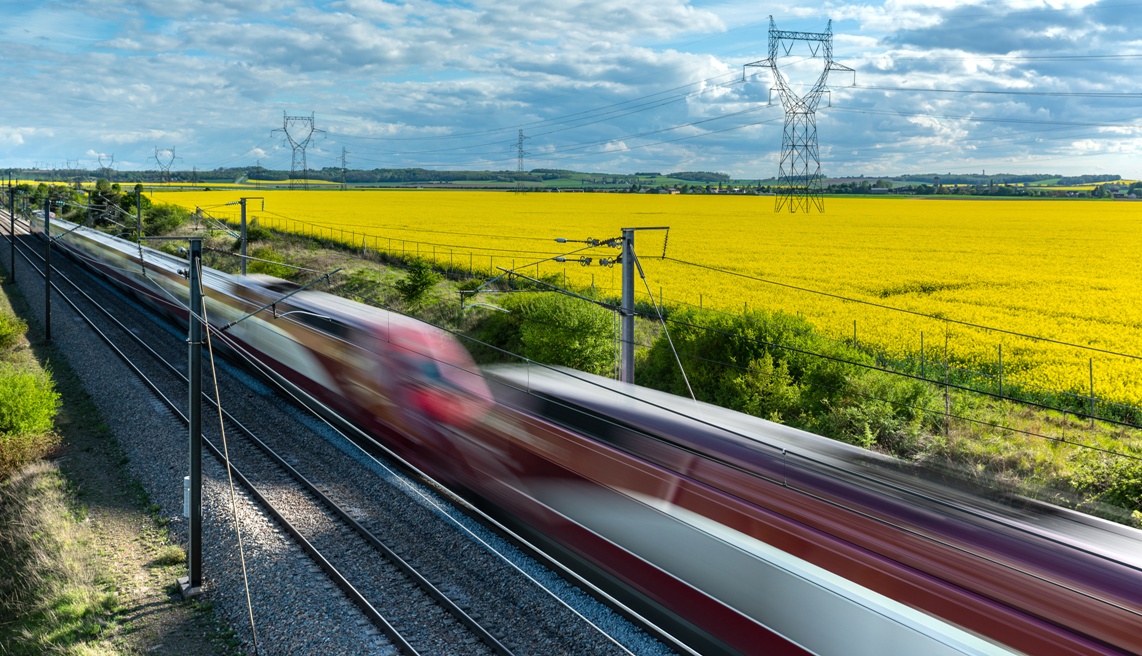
420, 575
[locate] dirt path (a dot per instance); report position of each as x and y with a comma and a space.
136, 557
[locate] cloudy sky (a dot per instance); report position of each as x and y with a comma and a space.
596, 85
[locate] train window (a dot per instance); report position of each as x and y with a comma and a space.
323, 323
280, 286
577, 419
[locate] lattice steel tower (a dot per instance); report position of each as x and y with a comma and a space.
165, 158
299, 132
800, 167
520, 153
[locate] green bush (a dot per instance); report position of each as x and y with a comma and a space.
771, 366
255, 231
553, 329
416, 283
274, 264
28, 404
1109, 478
28, 401
12, 328
163, 218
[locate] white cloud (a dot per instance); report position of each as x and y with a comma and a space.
595, 83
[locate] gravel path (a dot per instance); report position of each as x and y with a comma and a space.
295, 610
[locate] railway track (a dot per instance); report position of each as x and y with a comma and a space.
428, 581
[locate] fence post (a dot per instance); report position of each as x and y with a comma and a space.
947, 394
1091, 363
1001, 371
923, 373
854, 334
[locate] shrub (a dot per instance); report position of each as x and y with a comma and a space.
28, 401
255, 231
550, 328
163, 218
769, 365
273, 264
560, 330
12, 328
28, 404
416, 283
1108, 478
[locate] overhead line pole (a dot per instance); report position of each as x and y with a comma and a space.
192, 584
626, 360
626, 366
12, 234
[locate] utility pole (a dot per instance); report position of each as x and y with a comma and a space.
192, 584
48, 269
139, 215
626, 363
12, 234
243, 243
242, 238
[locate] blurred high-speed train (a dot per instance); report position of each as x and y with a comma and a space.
737, 534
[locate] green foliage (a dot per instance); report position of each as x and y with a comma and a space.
162, 218
12, 328
28, 401
771, 366
170, 555
1109, 478
255, 231
416, 283
53, 595
273, 266
553, 329
767, 389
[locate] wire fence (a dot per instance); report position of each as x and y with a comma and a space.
929, 364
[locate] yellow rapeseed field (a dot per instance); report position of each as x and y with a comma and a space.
1063, 270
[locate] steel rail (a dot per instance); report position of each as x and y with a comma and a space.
461, 504
358, 599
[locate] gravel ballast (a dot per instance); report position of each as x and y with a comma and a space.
296, 610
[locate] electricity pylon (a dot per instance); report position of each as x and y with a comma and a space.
800, 168
520, 152
108, 169
165, 158
299, 132
344, 154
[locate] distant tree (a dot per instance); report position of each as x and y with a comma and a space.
416, 283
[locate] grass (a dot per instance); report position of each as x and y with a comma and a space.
51, 585
83, 552
992, 447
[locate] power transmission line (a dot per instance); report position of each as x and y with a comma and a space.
165, 158
520, 154
299, 131
800, 166
915, 313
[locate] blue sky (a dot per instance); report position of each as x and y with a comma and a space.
597, 85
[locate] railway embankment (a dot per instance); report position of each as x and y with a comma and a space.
86, 562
